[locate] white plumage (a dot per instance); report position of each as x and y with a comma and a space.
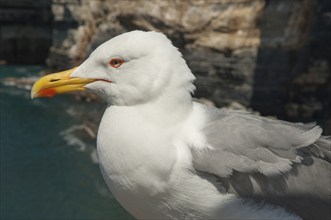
164, 156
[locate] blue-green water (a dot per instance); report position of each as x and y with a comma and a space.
48, 170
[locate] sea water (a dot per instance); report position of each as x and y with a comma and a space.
48, 164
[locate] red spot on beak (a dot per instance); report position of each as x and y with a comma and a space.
47, 93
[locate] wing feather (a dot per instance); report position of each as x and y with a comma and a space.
283, 163
248, 143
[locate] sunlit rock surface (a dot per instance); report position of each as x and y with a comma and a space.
272, 56
269, 55
219, 39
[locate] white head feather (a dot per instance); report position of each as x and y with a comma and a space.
152, 66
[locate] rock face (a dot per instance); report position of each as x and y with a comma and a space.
25, 31
219, 39
292, 75
270, 55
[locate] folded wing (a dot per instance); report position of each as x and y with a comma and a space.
284, 163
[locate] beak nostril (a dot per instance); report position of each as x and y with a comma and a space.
54, 80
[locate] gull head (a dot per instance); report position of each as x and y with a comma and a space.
130, 69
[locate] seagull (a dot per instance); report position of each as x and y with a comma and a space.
164, 156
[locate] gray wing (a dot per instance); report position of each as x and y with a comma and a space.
284, 163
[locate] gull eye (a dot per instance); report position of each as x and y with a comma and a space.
116, 62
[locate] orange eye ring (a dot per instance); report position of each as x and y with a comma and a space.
116, 62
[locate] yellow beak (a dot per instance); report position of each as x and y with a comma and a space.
57, 83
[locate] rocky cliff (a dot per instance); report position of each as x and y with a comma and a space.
271, 55
25, 31
219, 39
